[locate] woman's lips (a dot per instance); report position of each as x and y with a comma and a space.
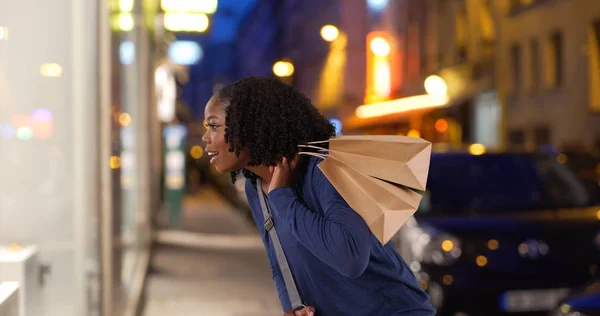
213, 155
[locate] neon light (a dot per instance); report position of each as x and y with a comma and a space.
400, 105
383, 77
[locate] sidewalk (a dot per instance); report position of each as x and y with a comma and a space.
223, 280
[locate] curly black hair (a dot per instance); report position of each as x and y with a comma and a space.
271, 119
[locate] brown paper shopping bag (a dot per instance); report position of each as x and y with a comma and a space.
400, 159
384, 206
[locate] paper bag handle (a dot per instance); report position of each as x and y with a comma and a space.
312, 154
319, 142
310, 146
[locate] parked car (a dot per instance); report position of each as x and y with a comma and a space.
582, 302
502, 233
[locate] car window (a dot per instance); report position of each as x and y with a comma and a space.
500, 182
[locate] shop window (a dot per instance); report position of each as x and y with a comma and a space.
516, 138
541, 136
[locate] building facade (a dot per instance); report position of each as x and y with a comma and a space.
449, 42
521, 74
331, 74
549, 72
514, 73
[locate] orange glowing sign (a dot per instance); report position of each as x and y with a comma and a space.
383, 67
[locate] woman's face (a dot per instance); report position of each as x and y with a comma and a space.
221, 158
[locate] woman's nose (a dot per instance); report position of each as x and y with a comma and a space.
206, 138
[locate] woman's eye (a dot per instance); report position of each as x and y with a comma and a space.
212, 126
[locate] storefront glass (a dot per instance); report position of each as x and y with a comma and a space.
132, 178
49, 191
75, 127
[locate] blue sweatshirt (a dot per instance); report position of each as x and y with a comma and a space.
339, 266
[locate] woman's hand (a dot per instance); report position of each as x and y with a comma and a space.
282, 173
307, 311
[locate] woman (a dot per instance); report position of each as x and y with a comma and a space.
254, 126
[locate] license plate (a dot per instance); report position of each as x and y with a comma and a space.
532, 300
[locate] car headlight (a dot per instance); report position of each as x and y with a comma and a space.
565, 310
431, 246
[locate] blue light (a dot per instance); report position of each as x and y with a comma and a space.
185, 52
127, 53
338, 125
377, 5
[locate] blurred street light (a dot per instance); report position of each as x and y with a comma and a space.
185, 52
413, 133
441, 125
196, 152
283, 69
124, 119
477, 149
380, 46
186, 22
436, 86
329, 33
377, 5
481, 261
200, 6
125, 5
127, 53
115, 162
122, 22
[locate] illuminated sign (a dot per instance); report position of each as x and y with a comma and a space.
383, 67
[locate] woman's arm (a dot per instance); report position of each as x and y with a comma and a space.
339, 237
